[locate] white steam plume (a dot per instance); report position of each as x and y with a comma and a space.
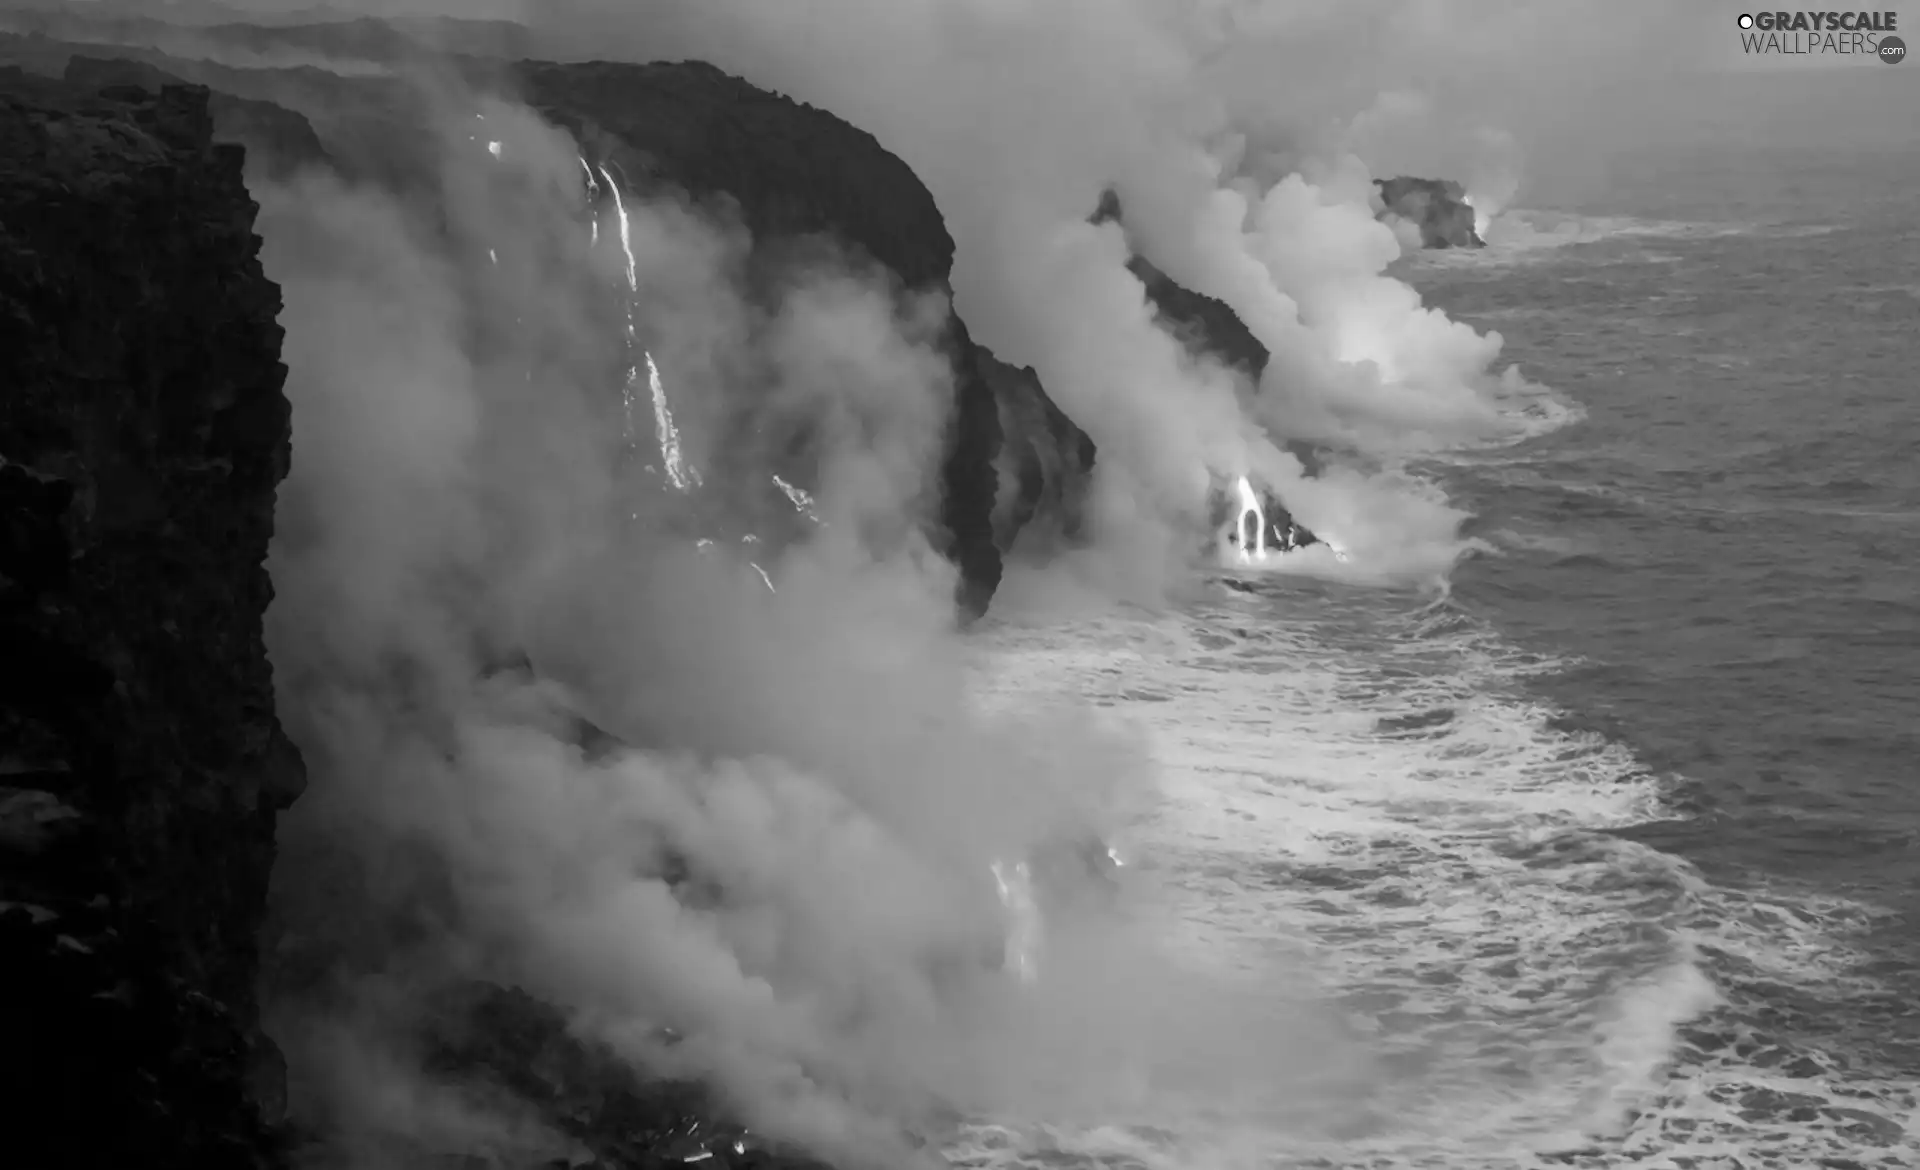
790, 866
1018, 115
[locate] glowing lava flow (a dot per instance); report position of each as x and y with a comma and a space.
802, 502
1023, 935
1252, 543
593, 195
679, 474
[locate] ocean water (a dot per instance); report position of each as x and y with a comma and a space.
1606, 856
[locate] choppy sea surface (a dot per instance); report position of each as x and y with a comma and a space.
1606, 856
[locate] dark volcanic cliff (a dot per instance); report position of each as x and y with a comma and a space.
142, 433
1438, 207
792, 170
276, 138
1045, 463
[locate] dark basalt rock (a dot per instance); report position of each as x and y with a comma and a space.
1438, 207
276, 138
1045, 464
142, 433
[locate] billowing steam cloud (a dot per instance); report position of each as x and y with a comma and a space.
561, 745
781, 874
1019, 116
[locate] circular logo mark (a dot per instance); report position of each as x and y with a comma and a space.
1746, 21
1892, 49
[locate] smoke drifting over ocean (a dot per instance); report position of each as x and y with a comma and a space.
557, 744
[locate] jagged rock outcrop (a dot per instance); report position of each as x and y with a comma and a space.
277, 139
1438, 207
142, 433
387, 40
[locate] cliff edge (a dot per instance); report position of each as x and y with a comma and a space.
143, 430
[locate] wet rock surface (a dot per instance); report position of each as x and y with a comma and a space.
142, 433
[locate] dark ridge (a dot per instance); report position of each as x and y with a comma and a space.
144, 432
368, 39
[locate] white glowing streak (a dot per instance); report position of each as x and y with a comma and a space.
1113, 855
1253, 545
802, 502
668, 435
493, 255
626, 237
764, 577
1023, 934
593, 193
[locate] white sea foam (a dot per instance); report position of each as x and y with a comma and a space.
1358, 791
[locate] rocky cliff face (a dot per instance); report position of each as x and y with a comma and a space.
1438, 207
1045, 462
142, 433
277, 139
794, 171
790, 171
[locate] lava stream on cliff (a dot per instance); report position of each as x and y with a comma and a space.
1251, 543
682, 476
